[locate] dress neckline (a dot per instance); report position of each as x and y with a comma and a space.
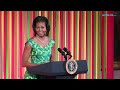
40, 45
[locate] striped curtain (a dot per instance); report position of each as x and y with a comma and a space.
87, 34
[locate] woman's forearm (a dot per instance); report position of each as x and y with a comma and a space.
29, 65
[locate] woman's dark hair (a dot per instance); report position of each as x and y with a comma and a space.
41, 19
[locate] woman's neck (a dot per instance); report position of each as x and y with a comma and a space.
42, 37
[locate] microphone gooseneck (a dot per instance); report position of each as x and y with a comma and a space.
68, 52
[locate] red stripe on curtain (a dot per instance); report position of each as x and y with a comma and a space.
75, 39
61, 33
5, 21
80, 29
110, 45
1, 47
13, 45
69, 31
31, 20
21, 44
54, 28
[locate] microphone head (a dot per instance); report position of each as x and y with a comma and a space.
65, 49
69, 53
63, 53
60, 50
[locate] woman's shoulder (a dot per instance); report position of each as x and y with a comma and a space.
51, 40
29, 40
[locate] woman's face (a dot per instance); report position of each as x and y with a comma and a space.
41, 29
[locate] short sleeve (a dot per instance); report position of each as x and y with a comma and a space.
29, 42
52, 42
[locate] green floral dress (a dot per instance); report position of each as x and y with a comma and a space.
39, 55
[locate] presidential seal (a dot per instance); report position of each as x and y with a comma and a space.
71, 66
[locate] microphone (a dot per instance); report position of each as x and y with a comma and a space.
60, 50
63, 53
68, 52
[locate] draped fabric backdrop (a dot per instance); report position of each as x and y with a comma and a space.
87, 34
